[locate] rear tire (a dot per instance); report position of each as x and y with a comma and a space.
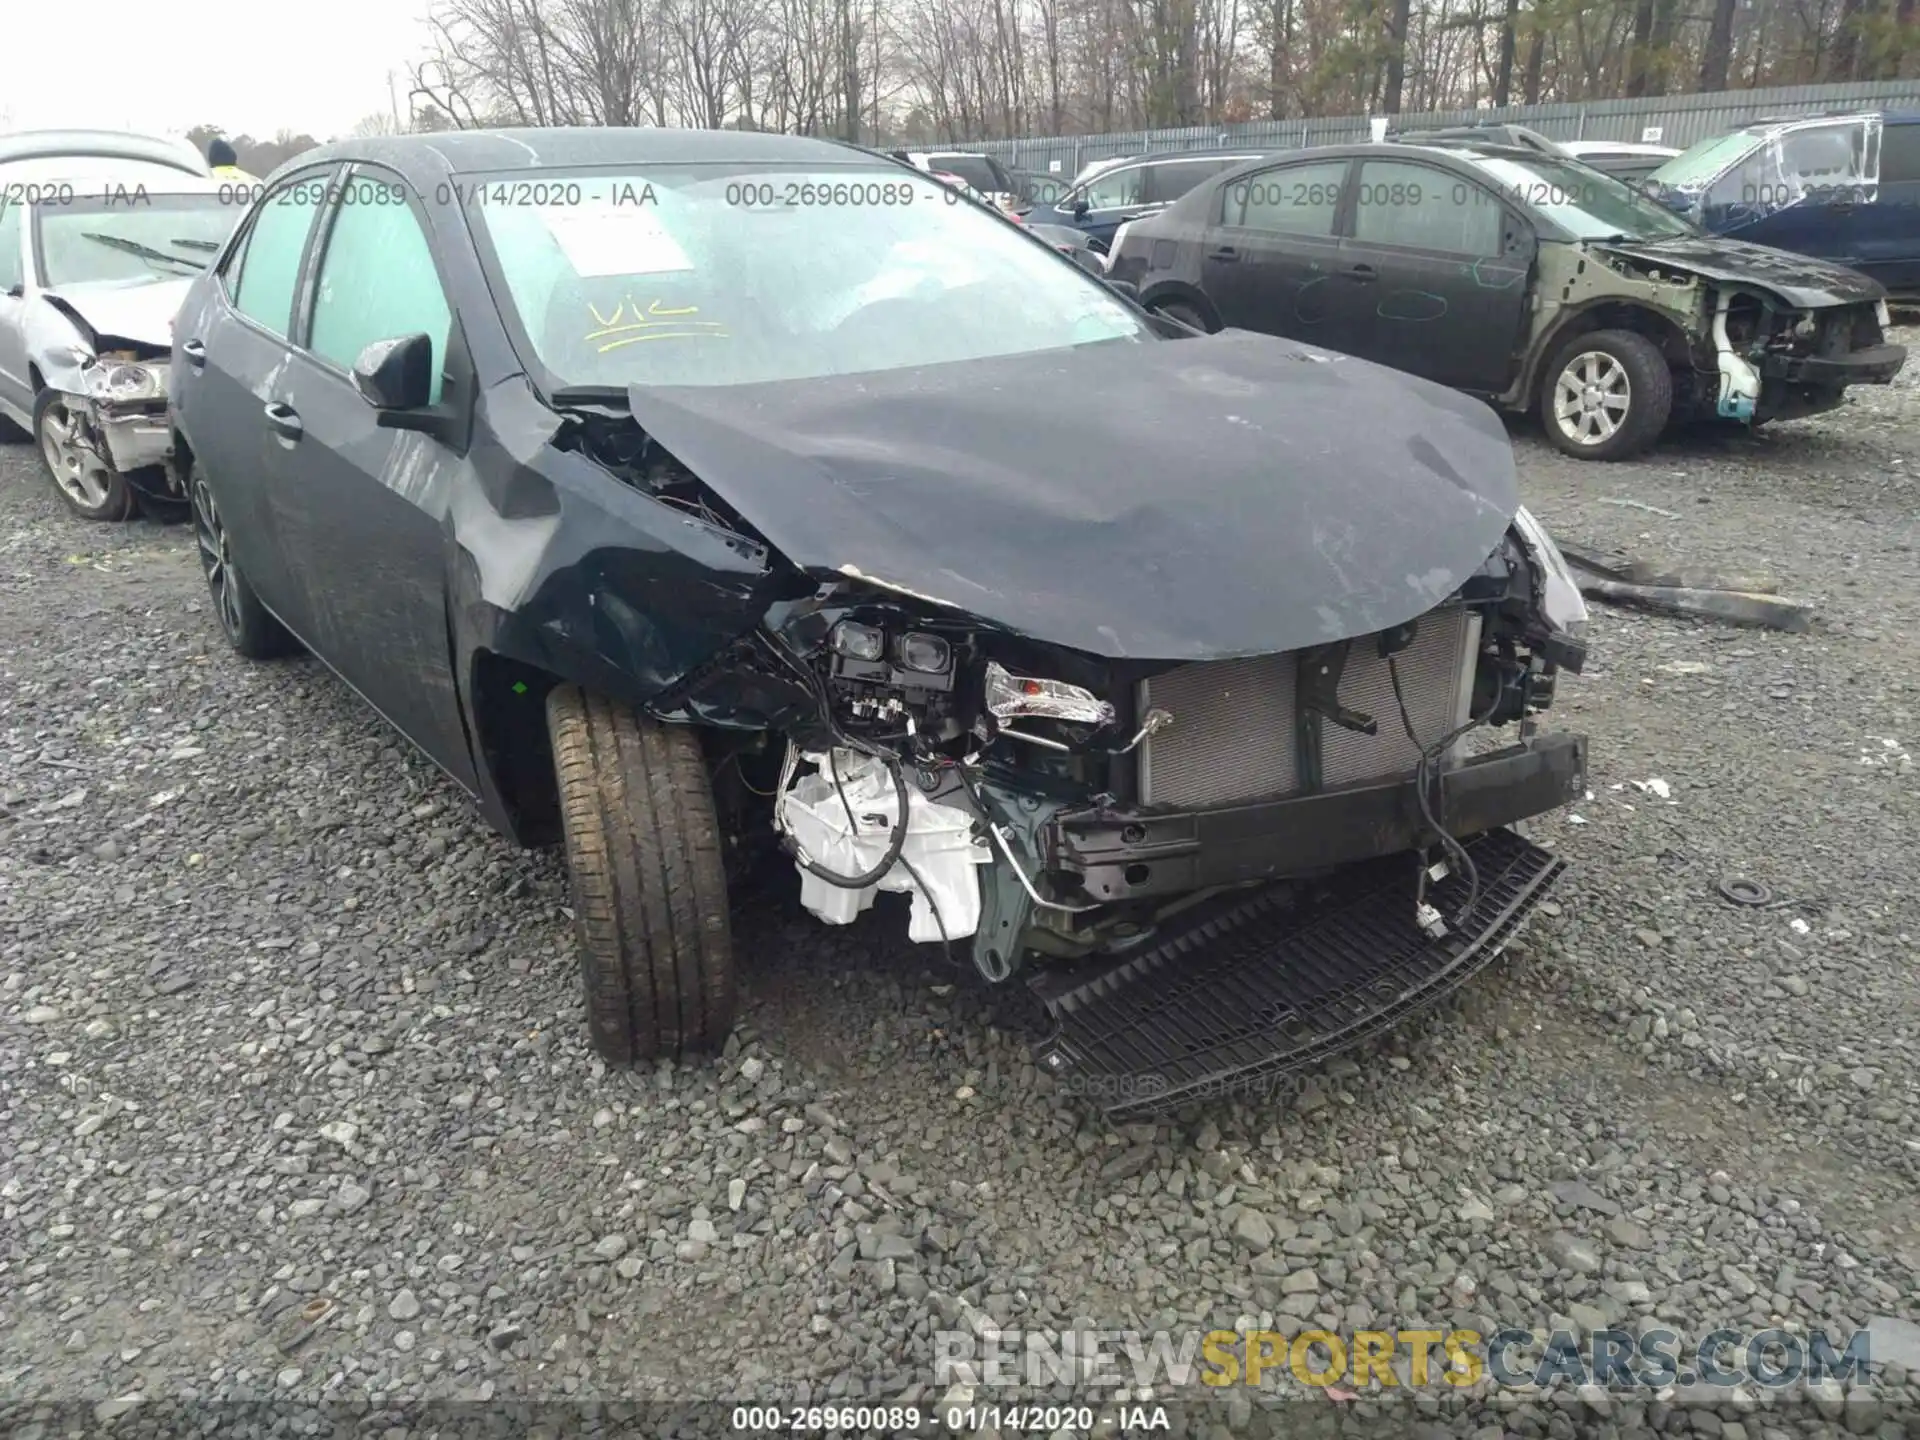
248, 625
89, 485
1186, 315
1606, 395
648, 879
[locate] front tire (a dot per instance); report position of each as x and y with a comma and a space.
1186, 315
91, 487
1607, 395
648, 879
248, 625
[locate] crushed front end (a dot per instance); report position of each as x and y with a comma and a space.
126, 394
1211, 871
1762, 335
1779, 362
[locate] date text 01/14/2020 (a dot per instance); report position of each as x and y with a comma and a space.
966, 1419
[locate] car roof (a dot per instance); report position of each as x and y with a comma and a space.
455, 152
1250, 152
37, 145
1815, 117
1390, 149
94, 174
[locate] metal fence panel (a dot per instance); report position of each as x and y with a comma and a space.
1680, 119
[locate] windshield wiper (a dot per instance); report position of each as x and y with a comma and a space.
145, 252
191, 244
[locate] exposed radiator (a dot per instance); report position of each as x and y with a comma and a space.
1233, 734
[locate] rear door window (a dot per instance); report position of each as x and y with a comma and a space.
269, 270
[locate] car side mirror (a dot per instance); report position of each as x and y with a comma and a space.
396, 374
17, 290
1080, 208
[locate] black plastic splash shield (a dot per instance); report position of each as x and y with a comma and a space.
1253, 987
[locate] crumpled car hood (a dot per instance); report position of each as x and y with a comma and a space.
140, 311
1799, 280
1169, 500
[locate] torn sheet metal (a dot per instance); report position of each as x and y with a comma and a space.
1229, 501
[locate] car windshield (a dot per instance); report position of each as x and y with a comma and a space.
138, 235
1588, 203
1698, 165
731, 275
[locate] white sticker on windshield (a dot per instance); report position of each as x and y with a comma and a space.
616, 240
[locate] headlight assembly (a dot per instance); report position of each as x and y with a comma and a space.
928, 654
126, 384
1012, 695
1561, 604
857, 641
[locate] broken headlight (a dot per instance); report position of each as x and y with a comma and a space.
128, 384
928, 654
1009, 696
859, 642
1561, 605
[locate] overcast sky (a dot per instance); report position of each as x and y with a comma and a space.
250, 66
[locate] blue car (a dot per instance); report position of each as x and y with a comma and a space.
1844, 188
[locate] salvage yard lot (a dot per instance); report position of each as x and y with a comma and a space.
280, 1019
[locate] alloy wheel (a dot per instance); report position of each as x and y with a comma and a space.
1591, 398
215, 557
76, 469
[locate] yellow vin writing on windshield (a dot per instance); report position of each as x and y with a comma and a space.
651, 322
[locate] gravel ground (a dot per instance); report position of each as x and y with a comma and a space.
280, 1021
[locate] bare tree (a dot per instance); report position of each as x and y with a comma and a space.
883, 71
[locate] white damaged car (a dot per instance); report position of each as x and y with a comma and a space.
92, 272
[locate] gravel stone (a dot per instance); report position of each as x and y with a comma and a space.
1573, 1253
1252, 1230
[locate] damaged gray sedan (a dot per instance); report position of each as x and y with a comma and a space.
91, 274
698, 501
